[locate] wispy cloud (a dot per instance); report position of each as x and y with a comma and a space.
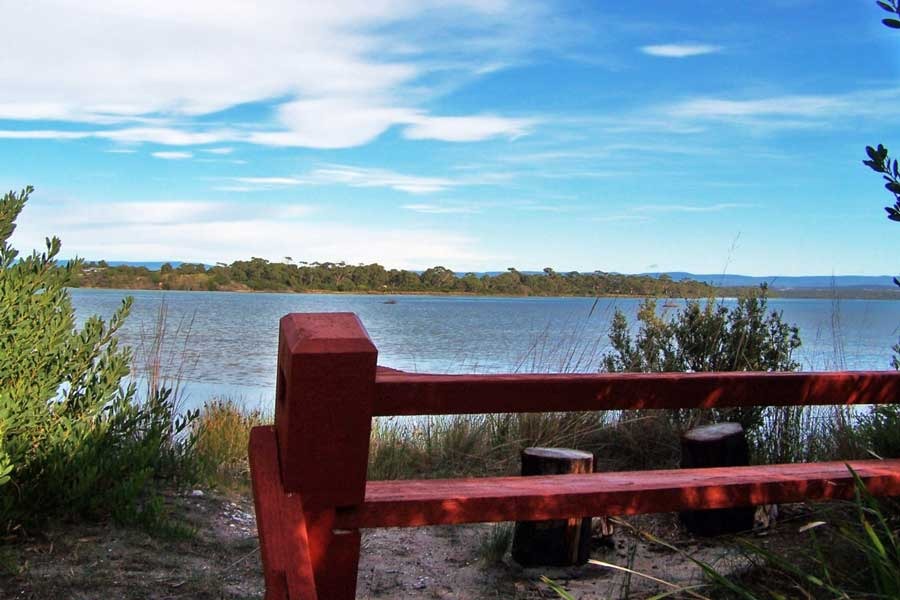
42, 134
367, 177
467, 129
310, 124
533, 206
344, 123
259, 184
680, 50
787, 111
780, 106
361, 177
691, 208
219, 151
172, 155
442, 209
270, 180
620, 218
166, 136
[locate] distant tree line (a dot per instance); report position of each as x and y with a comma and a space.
258, 274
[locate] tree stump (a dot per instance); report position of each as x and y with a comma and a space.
556, 543
720, 445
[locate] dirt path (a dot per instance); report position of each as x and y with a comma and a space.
220, 560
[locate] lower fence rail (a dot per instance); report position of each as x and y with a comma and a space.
409, 503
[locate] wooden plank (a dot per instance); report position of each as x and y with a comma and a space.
323, 408
281, 525
439, 502
412, 394
334, 555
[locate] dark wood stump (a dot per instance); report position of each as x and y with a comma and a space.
557, 543
720, 445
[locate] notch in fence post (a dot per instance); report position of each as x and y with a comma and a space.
325, 393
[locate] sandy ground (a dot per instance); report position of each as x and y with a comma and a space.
221, 560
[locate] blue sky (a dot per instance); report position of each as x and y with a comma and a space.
478, 135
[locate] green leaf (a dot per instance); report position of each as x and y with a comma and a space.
885, 6
892, 23
874, 539
560, 591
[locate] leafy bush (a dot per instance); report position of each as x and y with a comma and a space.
74, 441
706, 337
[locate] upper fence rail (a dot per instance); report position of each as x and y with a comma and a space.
316, 346
398, 393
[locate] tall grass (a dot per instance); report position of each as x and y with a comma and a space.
165, 355
447, 446
221, 433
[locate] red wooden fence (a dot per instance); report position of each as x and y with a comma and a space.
309, 470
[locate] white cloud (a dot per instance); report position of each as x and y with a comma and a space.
172, 155
219, 151
357, 69
680, 50
210, 232
330, 123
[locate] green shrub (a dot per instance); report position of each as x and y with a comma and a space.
706, 337
74, 441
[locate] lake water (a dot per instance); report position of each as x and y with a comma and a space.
227, 341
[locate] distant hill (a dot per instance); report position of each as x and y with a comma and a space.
782, 282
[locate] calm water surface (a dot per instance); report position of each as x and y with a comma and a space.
229, 340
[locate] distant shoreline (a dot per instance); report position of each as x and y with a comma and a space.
730, 292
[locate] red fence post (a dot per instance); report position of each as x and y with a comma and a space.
325, 395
